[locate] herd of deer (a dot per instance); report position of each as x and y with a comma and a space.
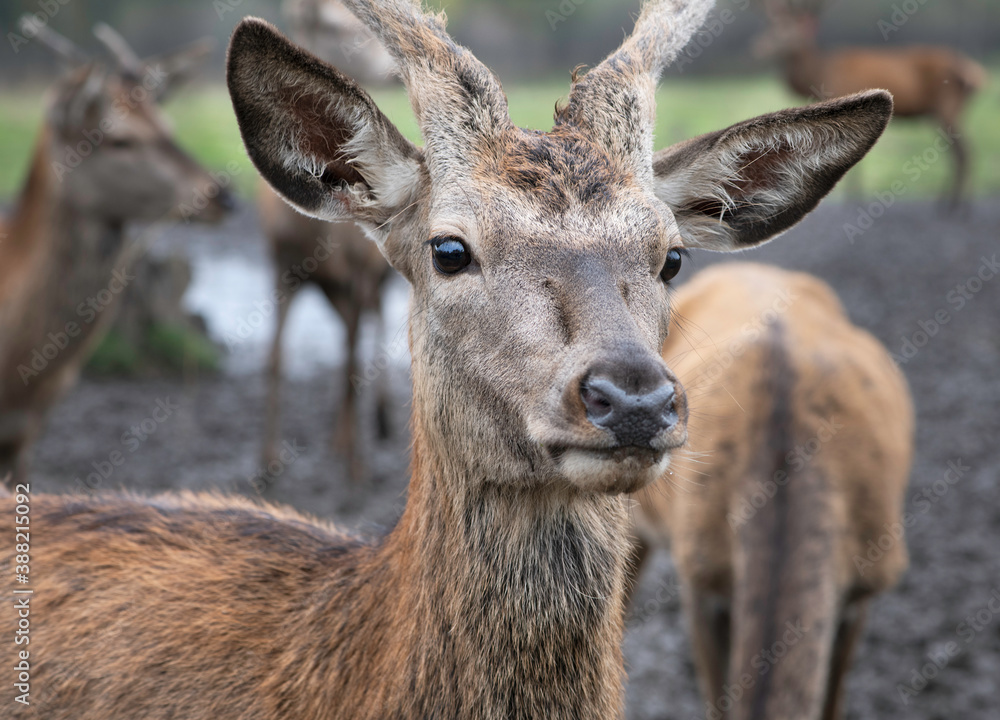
766, 439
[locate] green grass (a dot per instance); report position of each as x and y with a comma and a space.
205, 126
163, 350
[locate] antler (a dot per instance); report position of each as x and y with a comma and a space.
60, 45
119, 48
615, 102
453, 95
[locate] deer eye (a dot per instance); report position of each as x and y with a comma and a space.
671, 266
450, 255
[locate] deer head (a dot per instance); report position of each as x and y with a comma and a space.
328, 29
540, 262
109, 145
792, 26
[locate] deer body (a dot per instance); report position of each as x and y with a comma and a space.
351, 271
344, 628
925, 81
45, 237
800, 447
64, 260
539, 264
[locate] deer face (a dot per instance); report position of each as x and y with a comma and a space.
115, 155
540, 262
538, 313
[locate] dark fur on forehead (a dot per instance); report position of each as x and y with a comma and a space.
559, 168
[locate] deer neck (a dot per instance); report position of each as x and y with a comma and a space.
46, 220
30, 217
57, 259
520, 594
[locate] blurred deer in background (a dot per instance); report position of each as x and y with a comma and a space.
800, 442
540, 265
925, 81
345, 265
104, 158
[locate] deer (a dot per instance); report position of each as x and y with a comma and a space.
926, 81
346, 266
328, 29
539, 263
800, 443
105, 159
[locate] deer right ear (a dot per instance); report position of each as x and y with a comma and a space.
317, 138
739, 187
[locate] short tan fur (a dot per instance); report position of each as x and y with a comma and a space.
800, 443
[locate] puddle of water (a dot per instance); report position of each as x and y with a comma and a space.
233, 293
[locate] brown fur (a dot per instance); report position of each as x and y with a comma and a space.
228, 610
772, 364
499, 594
67, 235
925, 81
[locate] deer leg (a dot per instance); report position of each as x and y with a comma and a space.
20, 432
709, 623
10, 464
960, 154
344, 437
272, 416
382, 380
852, 621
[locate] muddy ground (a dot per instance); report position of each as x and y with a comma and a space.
912, 266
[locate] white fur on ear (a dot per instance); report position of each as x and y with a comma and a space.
390, 179
307, 164
395, 179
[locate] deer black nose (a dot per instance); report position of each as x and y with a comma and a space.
634, 418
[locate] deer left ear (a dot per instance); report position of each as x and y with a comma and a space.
315, 136
83, 104
739, 187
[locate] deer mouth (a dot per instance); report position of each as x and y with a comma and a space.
643, 456
613, 470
